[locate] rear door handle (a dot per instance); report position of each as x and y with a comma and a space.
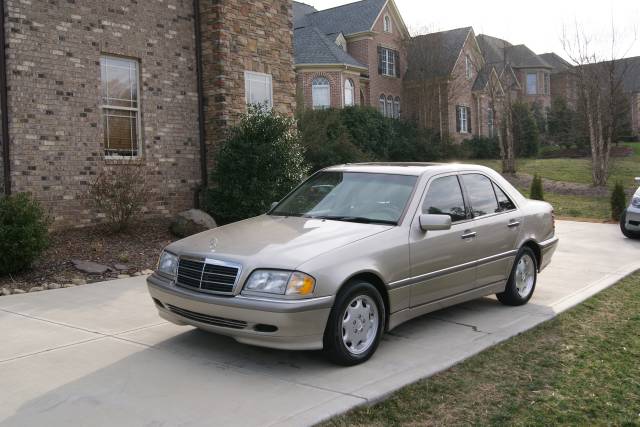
469, 235
513, 224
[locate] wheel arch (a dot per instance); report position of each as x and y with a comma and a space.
374, 279
537, 251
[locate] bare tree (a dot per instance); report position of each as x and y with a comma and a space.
600, 89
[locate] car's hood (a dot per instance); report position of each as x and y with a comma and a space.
274, 242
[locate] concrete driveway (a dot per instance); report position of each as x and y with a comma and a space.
99, 355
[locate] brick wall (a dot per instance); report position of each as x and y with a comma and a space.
380, 84
541, 98
336, 80
239, 36
54, 49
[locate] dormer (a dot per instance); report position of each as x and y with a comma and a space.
341, 41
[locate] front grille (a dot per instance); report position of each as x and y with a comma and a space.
209, 320
210, 276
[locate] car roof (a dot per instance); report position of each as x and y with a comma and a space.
415, 169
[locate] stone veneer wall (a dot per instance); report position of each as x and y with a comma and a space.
239, 36
54, 50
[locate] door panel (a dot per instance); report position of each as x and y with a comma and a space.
442, 261
497, 227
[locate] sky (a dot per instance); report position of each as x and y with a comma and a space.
540, 26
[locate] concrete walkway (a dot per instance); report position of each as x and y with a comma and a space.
99, 355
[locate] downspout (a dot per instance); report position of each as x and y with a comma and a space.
4, 106
201, 127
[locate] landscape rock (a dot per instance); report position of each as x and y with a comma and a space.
18, 291
78, 281
147, 272
191, 222
69, 285
36, 289
5, 292
53, 286
89, 267
123, 276
121, 267
137, 273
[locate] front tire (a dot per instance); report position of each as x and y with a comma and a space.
522, 281
623, 227
355, 325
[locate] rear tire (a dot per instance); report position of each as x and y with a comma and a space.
523, 279
355, 325
623, 227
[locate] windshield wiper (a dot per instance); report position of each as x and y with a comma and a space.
358, 219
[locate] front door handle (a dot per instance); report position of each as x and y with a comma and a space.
513, 224
469, 235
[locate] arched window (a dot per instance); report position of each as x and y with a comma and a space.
383, 105
320, 93
396, 107
387, 24
349, 93
389, 106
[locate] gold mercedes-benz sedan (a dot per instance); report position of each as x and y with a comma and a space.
354, 251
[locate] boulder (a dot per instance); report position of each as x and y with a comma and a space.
19, 291
36, 289
121, 267
6, 292
191, 222
78, 281
89, 267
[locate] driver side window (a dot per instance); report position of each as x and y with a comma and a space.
444, 197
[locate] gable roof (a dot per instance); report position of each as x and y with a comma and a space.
497, 51
434, 55
310, 46
300, 12
348, 19
557, 62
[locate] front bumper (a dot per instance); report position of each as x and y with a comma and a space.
547, 249
632, 219
288, 325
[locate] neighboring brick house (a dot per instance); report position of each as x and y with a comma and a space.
532, 72
105, 85
440, 87
350, 55
563, 84
456, 79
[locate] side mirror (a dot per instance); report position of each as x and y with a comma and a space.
430, 222
273, 205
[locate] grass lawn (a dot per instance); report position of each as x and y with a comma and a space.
597, 208
575, 170
581, 368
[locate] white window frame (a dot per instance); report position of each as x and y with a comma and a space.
349, 87
463, 119
529, 92
315, 98
490, 122
136, 110
547, 83
387, 24
388, 62
382, 105
468, 69
396, 107
390, 106
251, 77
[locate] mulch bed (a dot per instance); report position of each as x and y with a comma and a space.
138, 249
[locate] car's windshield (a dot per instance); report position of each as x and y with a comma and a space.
350, 196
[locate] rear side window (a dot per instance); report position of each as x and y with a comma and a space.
445, 198
481, 195
504, 202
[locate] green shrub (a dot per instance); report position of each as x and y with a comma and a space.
259, 163
618, 201
23, 232
361, 134
481, 148
537, 190
526, 136
561, 123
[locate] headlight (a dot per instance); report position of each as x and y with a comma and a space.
168, 264
635, 202
280, 282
